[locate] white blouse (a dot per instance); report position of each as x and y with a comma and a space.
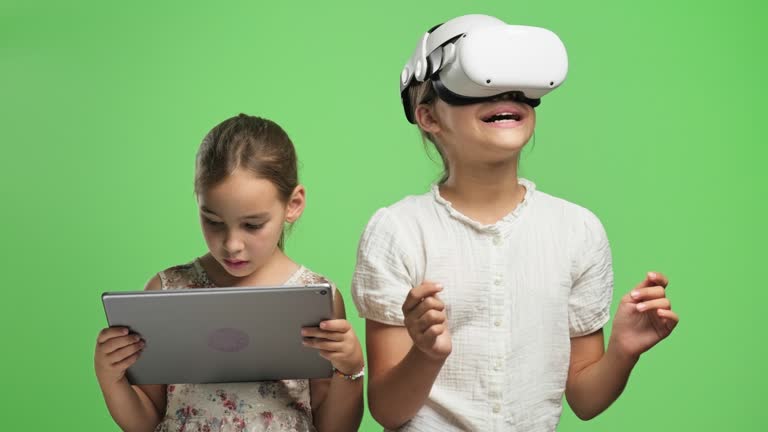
515, 291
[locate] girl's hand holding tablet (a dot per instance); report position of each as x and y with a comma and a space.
336, 342
116, 351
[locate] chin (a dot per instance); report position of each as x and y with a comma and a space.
511, 140
239, 274
505, 145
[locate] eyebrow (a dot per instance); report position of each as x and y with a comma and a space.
262, 215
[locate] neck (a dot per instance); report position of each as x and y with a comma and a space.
485, 192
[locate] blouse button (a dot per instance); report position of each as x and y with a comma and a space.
496, 408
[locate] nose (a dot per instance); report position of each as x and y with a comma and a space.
233, 243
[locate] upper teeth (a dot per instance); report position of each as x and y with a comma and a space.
498, 117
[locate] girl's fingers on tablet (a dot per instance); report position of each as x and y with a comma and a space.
336, 325
128, 361
125, 352
323, 345
314, 332
117, 343
111, 332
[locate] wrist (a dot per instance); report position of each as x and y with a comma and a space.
618, 352
429, 357
107, 384
350, 365
351, 374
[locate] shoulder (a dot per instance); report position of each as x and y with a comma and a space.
188, 275
412, 204
581, 228
550, 203
154, 283
308, 276
563, 211
399, 218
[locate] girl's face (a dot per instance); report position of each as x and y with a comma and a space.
483, 132
242, 219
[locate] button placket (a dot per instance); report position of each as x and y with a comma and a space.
498, 336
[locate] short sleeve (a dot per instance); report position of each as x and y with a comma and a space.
592, 291
383, 273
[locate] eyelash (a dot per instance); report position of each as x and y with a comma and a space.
249, 227
212, 223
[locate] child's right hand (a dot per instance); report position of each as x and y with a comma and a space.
426, 321
116, 351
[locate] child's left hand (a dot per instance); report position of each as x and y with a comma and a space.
336, 342
644, 317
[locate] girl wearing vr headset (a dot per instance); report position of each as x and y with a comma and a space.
247, 189
485, 298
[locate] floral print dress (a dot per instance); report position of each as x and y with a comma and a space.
238, 407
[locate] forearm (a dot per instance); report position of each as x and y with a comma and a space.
399, 393
132, 411
598, 385
342, 409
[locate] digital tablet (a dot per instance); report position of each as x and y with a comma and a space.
216, 335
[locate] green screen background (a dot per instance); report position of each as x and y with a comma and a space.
659, 129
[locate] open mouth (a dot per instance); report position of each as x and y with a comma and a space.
502, 117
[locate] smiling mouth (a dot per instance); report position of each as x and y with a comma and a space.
503, 117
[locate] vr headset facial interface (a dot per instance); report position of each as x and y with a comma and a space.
476, 58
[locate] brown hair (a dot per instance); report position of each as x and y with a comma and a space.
424, 94
252, 143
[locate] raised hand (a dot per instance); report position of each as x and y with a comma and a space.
426, 321
644, 316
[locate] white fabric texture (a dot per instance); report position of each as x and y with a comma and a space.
515, 292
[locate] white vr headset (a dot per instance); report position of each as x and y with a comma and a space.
475, 58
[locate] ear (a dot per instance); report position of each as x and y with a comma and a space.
427, 119
296, 204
